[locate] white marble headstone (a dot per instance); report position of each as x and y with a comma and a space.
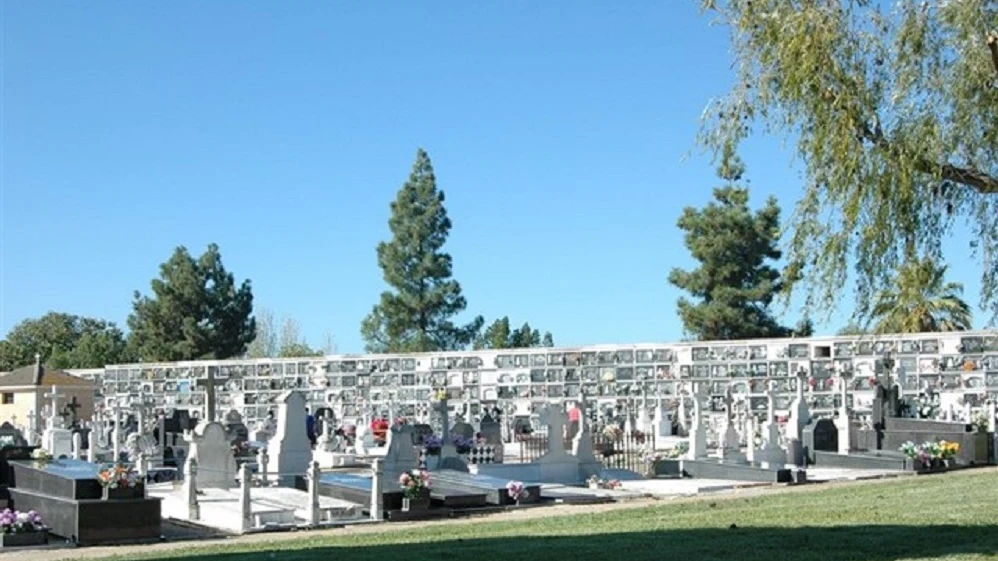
289, 450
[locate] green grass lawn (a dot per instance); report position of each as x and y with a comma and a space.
951, 517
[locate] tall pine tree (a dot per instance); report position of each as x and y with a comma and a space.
196, 311
734, 284
416, 314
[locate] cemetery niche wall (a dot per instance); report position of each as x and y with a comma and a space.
962, 368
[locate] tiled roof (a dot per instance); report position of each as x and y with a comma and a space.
26, 376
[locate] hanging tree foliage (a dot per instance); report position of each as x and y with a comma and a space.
895, 117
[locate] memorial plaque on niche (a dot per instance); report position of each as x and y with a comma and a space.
701, 354
971, 345
800, 351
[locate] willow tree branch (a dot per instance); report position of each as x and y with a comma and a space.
978, 180
993, 45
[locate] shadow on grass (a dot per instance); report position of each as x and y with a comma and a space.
841, 543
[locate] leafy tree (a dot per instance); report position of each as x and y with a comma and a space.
852, 329
416, 315
286, 342
63, 341
921, 301
196, 311
734, 284
895, 117
498, 335
265, 343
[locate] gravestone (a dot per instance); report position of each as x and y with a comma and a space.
555, 419
448, 453
822, 436
582, 445
462, 429
698, 430
11, 436
420, 432
290, 451
491, 430
209, 446
400, 456
235, 428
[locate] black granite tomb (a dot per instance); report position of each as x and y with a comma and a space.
821, 435
67, 494
494, 488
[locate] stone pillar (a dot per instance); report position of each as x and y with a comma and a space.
245, 503
140, 463
190, 488
92, 449
992, 413
843, 422
750, 449
698, 432
116, 436
77, 446
315, 513
799, 412
262, 459
377, 504
161, 425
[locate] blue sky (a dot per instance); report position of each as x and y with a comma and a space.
281, 131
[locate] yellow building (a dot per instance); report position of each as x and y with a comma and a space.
28, 390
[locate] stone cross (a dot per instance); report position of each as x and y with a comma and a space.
34, 427
444, 410
801, 382
54, 410
209, 389
72, 406
729, 404
555, 419
843, 423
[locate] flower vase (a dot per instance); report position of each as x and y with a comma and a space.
406, 504
105, 493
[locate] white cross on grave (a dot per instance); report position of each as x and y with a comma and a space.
54, 409
555, 420
209, 389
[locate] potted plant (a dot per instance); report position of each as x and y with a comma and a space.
431, 444
462, 444
117, 481
415, 486
22, 529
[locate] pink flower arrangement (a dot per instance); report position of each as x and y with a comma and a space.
413, 482
516, 490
